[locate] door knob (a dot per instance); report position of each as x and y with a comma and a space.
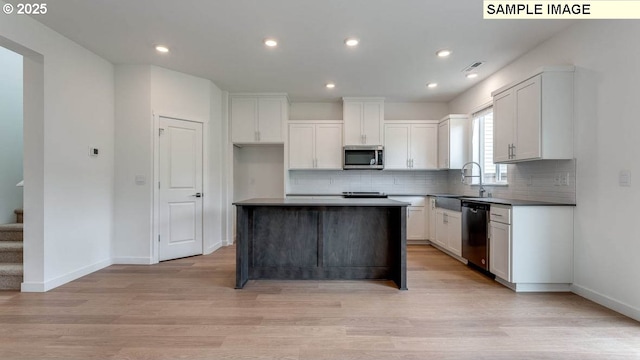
197, 195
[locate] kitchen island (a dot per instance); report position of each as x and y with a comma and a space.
321, 239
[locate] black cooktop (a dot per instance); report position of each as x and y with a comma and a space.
363, 194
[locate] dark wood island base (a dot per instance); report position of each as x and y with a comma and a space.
309, 239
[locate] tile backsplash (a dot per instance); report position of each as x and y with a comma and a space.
533, 180
387, 181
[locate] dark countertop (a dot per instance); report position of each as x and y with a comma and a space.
321, 202
314, 194
446, 195
515, 202
388, 194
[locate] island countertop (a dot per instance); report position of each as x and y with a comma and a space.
376, 202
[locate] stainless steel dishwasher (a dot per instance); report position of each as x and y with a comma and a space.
475, 245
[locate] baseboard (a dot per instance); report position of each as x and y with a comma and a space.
131, 260
606, 301
213, 248
32, 287
229, 242
61, 280
531, 287
459, 258
418, 242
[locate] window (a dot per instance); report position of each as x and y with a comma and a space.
482, 148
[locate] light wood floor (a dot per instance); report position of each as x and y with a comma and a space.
188, 309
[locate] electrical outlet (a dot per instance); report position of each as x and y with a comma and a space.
330, 180
564, 179
556, 179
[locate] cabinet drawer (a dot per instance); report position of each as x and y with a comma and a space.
500, 214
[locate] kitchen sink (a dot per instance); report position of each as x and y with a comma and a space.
451, 201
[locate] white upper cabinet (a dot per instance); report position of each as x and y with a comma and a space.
257, 118
411, 145
453, 141
302, 146
396, 146
315, 145
363, 119
533, 118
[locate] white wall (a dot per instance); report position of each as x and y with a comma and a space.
392, 110
77, 190
415, 110
258, 171
142, 90
315, 111
11, 134
606, 140
133, 154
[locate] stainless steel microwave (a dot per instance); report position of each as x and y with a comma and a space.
363, 157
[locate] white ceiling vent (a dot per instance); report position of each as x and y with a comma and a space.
473, 66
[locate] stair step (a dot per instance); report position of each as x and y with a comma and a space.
11, 232
19, 215
10, 269
10, 276
11, 252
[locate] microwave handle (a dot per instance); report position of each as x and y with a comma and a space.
377, 162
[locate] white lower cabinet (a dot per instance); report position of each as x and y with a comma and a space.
448, 234
416, 217
531, 247
431, 218
416, 223
500, 250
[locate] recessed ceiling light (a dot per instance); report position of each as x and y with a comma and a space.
432, 85
162, 49
330, 85
351, 41
472, 75
270, 42
443, 53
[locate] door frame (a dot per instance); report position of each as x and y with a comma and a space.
155, 214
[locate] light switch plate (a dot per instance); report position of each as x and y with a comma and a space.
141, 180
624, 178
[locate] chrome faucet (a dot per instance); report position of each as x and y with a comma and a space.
481, 191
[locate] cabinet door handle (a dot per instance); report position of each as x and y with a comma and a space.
513, 150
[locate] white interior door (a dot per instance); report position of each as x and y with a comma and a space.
180, 198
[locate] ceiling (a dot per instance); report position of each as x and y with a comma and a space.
222, 40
